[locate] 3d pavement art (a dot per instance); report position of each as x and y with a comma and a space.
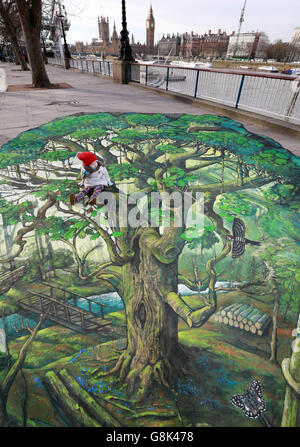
152, 324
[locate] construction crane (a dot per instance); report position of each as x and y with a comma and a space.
54, 23
239, 30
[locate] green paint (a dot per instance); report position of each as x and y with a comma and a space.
240, 174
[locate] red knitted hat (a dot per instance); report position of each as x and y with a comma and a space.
87, 158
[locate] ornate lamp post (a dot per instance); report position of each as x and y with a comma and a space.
44, 50
125, 48
66, 48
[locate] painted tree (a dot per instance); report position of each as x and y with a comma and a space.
12, 215
281, 254
150, 153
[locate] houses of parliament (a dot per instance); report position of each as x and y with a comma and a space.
183, 45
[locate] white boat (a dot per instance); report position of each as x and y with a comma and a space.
268, 68
203, 65
139, 61
156, 60
191, 64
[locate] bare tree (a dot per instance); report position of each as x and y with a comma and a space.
30, 12
279, 51
10, 27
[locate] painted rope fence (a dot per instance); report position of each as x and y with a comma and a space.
270, 95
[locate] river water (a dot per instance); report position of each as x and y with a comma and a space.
112, 302
266, 95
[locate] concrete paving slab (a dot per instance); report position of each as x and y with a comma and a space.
94, 94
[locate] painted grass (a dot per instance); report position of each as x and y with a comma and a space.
223, 369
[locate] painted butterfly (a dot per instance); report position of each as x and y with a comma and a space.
252, 402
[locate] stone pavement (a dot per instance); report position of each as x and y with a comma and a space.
23, 110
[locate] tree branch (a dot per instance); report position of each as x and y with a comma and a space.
116, 258
41, 215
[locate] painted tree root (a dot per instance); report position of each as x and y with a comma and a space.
139, 379
74, 403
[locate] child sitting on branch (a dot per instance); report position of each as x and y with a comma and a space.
94, 177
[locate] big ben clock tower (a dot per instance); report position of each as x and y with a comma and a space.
150, 28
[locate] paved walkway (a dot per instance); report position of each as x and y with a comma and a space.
23, 110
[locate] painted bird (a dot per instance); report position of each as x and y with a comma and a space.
238, 238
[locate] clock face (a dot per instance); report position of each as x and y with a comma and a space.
152, 25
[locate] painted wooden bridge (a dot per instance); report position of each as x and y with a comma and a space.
9, 278
62, 312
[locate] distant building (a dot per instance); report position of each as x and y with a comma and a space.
104, 44
115, 38
110, 45
103, 28
192, 45
169, 45
79, 47
248, 45
150, 31
206, 45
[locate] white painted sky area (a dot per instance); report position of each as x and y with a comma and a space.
277, 18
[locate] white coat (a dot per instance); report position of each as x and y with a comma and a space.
100, 177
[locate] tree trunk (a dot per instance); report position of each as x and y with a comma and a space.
273, 356
10, 31
39, 250
30, 17
50, 257
153, 351
8, 243
291, 372
3, 411
18, 53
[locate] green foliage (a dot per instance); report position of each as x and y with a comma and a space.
282, 222
59, 228
129, 136
57, 155
275, 158
179, 178
282, 194
61, 259
125, 171
12, 214
195, 237
88, 134
145, 120
284, 258
62, 188
170, 149
235, 204
29, 145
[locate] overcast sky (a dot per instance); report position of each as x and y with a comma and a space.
277, 18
